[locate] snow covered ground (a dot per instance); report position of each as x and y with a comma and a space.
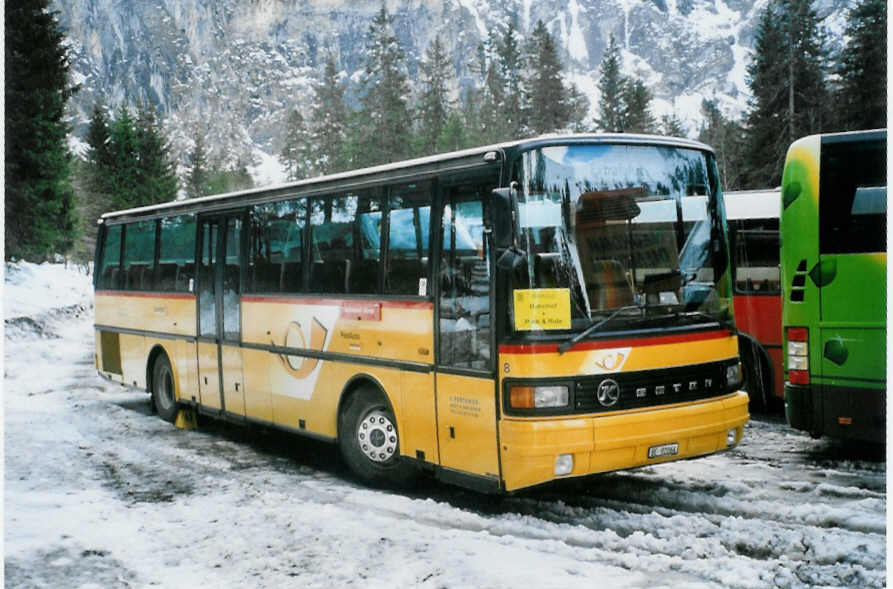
101, 493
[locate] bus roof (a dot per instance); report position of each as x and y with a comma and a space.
457, 159
753, 204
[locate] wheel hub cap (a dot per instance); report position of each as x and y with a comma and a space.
377, 437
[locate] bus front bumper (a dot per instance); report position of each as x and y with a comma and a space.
533, 450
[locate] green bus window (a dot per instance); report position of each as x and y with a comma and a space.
176, 257
110, 271
409, 219
139, 256
345, 241
853, 197
276, 247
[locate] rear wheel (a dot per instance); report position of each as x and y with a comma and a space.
369, 442
163, 396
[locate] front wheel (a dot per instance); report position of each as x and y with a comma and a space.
369, 442
163, 389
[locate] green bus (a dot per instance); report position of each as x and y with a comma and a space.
834, 275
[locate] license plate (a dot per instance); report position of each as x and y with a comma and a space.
663, 450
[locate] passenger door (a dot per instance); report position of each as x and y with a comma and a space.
465, 383
219, 313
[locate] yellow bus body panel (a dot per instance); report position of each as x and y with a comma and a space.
157, 312
529, 446
612, 442
620, 358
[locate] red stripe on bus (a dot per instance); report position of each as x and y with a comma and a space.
337, 302
616, 343
145, 295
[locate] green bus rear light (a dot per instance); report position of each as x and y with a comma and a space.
798, 355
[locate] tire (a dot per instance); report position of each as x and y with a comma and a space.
369, 442
754, 381
163, 391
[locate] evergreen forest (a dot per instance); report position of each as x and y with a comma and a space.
798, 86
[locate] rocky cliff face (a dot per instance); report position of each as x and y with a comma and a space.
233, 68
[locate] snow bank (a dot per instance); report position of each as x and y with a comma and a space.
33, 289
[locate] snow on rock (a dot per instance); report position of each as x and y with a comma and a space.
99, 492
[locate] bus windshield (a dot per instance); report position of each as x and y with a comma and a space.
630, 235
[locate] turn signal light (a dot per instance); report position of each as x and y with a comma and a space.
538, 397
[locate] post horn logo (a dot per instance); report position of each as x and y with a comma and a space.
611, 361
608, 392
302, 366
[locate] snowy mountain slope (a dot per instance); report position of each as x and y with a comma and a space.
101, 493
233, 68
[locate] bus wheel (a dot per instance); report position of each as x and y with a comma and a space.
367, 436
163, 389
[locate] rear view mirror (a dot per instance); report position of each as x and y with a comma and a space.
504, 216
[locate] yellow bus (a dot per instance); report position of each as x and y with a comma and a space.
500, 317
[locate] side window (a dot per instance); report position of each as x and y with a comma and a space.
139, 256
409, 221
853, 197
110, 270
276, 247
345, 244
464, 280
232, 276
757, 257
176, 255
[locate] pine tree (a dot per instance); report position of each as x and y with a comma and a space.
156, 179
637, 117
197, 180
726, 137
435, 107
492, 121
99, 154
786, 80
470, 106
671, 126
765, 122
295, 154
611, 85
511, 108
123, 156
454, 135
40, 205
132, 166
222, 179
861, 99
579, 109
808, 103
384, 122
548, 99
329, 121
92, 183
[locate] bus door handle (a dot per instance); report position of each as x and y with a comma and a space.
452, 432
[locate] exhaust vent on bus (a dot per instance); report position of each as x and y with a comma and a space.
798, 283
111, 352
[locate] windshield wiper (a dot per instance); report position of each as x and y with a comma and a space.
563, 347
698, 315
703, 315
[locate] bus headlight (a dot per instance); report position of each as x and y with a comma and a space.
733, 374
539, 397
